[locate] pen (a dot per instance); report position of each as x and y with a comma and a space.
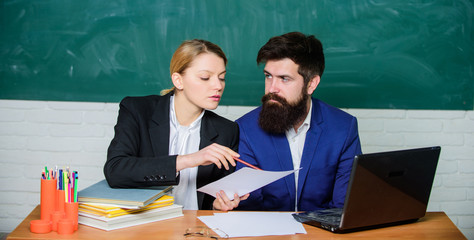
246, 163
60, 179
46, 172
75, 186
65, 186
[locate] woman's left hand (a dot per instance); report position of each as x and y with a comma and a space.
223, 203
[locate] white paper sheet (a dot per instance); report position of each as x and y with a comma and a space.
243, 181
251, 224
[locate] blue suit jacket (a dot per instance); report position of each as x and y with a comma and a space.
331, 143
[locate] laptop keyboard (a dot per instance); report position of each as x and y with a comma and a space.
331, 216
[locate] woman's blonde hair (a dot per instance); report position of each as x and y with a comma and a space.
187, 52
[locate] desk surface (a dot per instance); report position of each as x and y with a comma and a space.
435, 225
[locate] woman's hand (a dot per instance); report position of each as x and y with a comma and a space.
212, 154
223, 203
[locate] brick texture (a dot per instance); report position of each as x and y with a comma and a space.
34, 134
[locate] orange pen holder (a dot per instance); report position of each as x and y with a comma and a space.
72, 211
48, 198
56, 214
60, 200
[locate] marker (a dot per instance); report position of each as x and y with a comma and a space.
46, 172
65, 186
60, 178
69, 187
75, 186
246, 163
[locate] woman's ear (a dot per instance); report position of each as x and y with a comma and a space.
313, 84
177, 80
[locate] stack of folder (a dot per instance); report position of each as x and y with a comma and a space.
107, 208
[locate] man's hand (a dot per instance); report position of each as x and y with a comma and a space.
223, 203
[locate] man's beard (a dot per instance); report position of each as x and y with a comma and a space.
279, 117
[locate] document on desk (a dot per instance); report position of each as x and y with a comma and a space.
252, 224
243, 181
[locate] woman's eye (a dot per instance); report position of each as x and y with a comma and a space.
204, 78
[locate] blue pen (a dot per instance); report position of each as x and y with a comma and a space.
60, 179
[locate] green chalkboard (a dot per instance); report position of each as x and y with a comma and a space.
379, 53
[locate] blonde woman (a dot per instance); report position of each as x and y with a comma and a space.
172, 139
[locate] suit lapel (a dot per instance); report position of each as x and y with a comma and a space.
208, 133
159, 129
282, 148
310, 146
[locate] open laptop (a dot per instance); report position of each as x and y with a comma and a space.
386, 188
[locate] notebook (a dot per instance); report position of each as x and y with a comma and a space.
101, 192
386, 188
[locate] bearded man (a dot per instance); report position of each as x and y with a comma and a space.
293, 130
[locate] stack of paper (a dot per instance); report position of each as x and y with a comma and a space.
253, 224
109, 211
109, 208
132, 219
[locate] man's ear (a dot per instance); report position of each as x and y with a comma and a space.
313, 84
177, 80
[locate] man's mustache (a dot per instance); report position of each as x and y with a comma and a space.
271, 96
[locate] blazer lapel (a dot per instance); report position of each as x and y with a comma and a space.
159, 129
310, 146
282, 148
208, 133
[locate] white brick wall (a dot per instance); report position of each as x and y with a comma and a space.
34, 134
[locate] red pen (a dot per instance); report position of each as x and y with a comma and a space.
246, 163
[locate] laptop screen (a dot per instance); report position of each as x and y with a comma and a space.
389, 187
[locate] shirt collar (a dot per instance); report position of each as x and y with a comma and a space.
304, 126
307, 120
174, 120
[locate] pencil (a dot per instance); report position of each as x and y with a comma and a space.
246, 163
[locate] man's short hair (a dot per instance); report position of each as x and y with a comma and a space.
304, 50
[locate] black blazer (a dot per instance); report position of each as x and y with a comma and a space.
138, 154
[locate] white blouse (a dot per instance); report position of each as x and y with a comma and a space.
185, 140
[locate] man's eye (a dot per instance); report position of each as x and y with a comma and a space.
268, 76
